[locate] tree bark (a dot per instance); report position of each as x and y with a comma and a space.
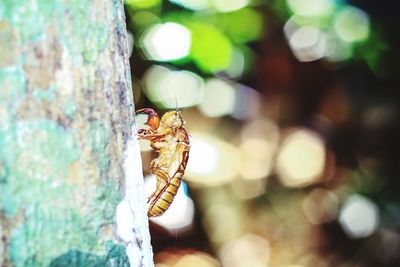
71, 184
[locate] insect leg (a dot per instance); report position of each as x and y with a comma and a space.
162, 177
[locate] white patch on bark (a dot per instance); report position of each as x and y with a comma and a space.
132, 222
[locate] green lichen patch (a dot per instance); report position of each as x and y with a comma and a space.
3, 175
28, 17
45, 233
70, 108
98, 137
81, 33
12, 84
49, 94
107, 199
12, 92
84, 36
36, 154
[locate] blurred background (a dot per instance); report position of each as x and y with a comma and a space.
292, 107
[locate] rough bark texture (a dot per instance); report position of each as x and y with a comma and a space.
68, 156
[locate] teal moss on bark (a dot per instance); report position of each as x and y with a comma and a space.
115, 256
28, 17
35, 158
85, 35
78, 29
36, 155
13, 89
98, 138
47, 95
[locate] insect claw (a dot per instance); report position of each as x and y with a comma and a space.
147, 111
153, 120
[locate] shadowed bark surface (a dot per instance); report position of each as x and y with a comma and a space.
66, 124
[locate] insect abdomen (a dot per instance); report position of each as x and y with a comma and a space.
165, 198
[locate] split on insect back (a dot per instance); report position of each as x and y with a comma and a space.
169, 138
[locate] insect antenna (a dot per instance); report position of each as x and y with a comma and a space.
176, 104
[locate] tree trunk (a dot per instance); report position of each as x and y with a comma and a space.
69, 161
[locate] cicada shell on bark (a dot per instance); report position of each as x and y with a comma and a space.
169, 138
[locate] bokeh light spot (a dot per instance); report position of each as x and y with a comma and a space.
236, 66
257, 158
143, 19
248, 189
229, 5
261, 129
359, 217
142, 3
219, 98
198, 259
247, 103
243, 26
168, 88
339, 51
211, 50
213, 216
301, 158
307, 43
351, 24
249, 250
211, 161
311, 8
166, 42
206, 153
320, 206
